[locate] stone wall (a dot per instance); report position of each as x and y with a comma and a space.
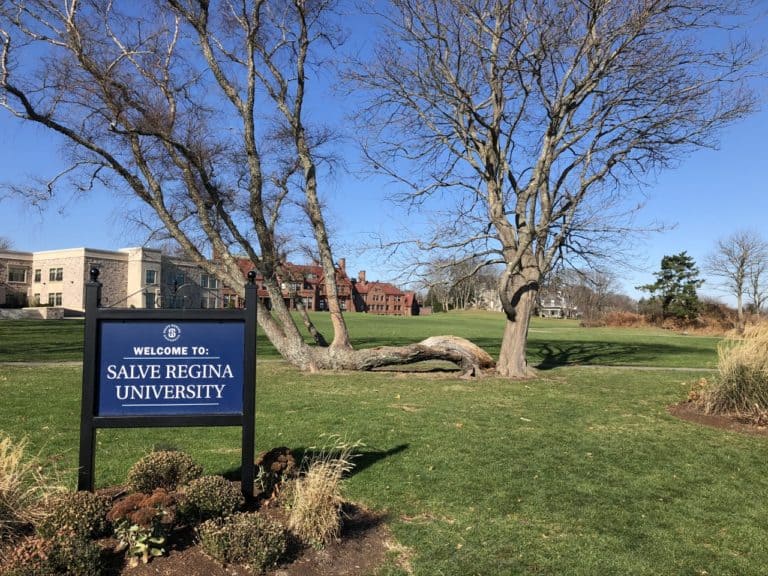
37, 313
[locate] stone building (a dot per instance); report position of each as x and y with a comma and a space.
130, 278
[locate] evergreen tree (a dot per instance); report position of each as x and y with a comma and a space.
675, 287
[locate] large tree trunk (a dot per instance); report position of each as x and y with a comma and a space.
512, 362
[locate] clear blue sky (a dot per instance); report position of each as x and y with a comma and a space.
712, 194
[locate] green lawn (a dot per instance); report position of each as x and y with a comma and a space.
33, 340
578, 472
552, 343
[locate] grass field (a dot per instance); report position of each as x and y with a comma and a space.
578, 472
552, 343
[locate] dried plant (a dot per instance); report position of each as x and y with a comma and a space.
741, 387
315, 508
25, 489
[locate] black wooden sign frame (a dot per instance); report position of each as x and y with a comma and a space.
90, 421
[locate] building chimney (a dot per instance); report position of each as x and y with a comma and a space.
361, 276
342, 264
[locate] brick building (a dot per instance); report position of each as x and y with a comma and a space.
306, 283
383, 298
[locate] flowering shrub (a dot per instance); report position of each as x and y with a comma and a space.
142, 522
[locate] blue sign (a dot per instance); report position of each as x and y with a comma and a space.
170, 368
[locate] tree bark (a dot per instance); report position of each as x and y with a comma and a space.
512, 362
740, 312
471, 359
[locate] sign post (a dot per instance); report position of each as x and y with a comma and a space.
167, 368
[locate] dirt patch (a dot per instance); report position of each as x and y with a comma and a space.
362, 549
689, 411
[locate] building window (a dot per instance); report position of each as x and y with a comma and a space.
56, 274
54, 298
150, 299
176, 278
151, 278
209, 302
17, 274
232, 301
38, 275
36, 299
208, 281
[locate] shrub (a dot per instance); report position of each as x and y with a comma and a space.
24, 489
244, 538
28, 557
64, 554
164, 469
142, 522
145, 510
273, 468
315, 507
741, 386
74, 555
623, 319
82, 513
210, 497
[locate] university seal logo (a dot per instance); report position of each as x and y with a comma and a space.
171, 332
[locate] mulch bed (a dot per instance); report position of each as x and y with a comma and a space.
688, 411
362, 549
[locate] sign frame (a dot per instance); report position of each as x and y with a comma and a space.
90, 420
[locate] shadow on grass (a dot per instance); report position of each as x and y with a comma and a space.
608, 353
361, 459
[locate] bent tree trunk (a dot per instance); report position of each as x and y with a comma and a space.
468, 357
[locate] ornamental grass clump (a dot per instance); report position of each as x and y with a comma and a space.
315, 506
167, 469
24, 489
741, 386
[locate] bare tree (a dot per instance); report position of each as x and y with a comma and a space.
591, 291
5, 243
197, 108
738, 262
539, 117
757, 287
455, 284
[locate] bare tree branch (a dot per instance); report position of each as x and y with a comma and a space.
546, 114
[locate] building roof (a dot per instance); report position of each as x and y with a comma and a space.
375, 286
